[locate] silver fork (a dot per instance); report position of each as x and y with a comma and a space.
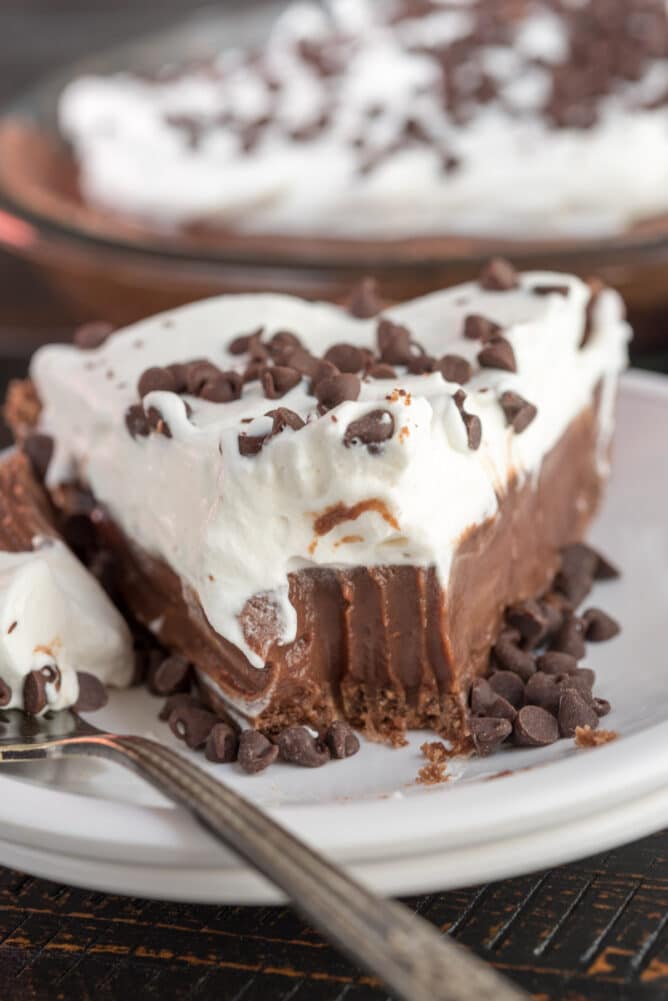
408, 954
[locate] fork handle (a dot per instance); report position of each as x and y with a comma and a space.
404, 951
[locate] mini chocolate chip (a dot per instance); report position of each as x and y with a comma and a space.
556, 663
297, 746
251, 444
51, 675
585, 674
92, 335
92, 693
481, 696
599, 626
575, 578
450, 164
454, 368
574, 586
394, 342
605, 570
486, 702
574, 712
488, 734
570, 638
422, 365
336, 389
157, 422
278, 381
579, 558
171, 675
305, 363
596, 286
501, 708
371, 430
191, 127
509, 685
509, 656
179, 373
554, 612
34, 693
346, 357
322, 59
341, 740
518, 412
222, 744
192, 724
535, 727
479, 328
550, 290
39, 450
575, 683
156, 380
498, 275
310, 130
542, 690
284, 418
5, 693
254, 370
365, 301
498, 353
530, 619
323, 370
181, 700
136, 421
198, 373
381, 371
509, 634
255, 752
283, 341
472, 422
245, 342
600, 706
223, 388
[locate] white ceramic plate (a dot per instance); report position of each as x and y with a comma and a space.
94, 824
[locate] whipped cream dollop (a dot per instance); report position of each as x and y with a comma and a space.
234, 525
55, 620
390, 118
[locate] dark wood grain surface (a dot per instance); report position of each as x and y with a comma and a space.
593, 931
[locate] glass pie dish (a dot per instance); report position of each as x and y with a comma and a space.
109, 266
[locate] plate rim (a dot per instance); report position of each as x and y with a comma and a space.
437, 871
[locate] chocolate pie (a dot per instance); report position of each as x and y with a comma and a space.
326, 515
394, 119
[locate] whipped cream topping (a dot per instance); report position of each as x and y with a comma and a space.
387, 118
233, 526
54, 614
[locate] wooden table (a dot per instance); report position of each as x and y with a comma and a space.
593, 931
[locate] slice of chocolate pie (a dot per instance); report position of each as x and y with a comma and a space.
327, 515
